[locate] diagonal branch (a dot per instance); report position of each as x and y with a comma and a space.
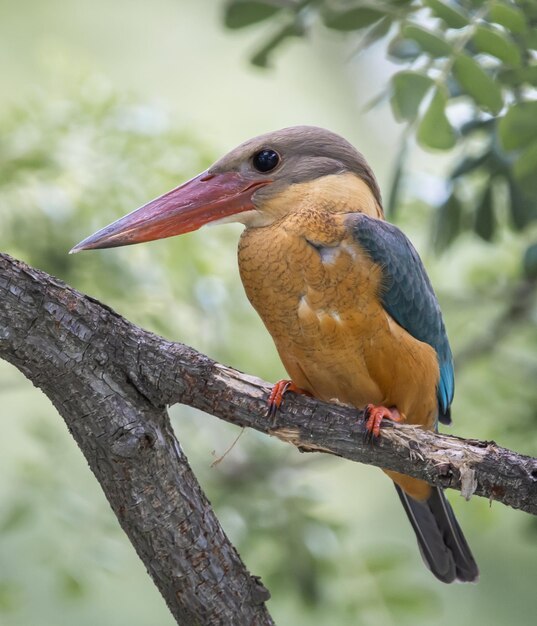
111, 382
81, 355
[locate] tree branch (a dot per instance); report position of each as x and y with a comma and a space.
111, 382
67, 345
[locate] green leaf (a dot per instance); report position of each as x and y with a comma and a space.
351, 19
515, 77
241, 13
409, 89
529, 262
485, 221
477, 83
530, 38
397, 179
378, 31
497, 44
431, 43
522, 206
451, 16
401, 49
529, 7
518, 127
262, 57
525, 166
448, 223
434, 130
509, 16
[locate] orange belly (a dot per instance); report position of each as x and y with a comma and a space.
360, 359
321, 305
323, 311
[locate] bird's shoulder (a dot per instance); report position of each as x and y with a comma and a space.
406, 292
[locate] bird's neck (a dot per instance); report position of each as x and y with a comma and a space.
337, 193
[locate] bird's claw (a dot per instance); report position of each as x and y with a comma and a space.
277, 393
374, 415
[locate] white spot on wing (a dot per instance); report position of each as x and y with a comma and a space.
305, 309
303, 306
329, 254
350, 250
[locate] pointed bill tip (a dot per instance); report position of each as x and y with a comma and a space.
85, 244
111, 236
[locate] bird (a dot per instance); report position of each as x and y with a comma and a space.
343, 293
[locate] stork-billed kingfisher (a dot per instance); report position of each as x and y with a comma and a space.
343, 293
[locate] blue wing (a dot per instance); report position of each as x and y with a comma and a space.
408, 295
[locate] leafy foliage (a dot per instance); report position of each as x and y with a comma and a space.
482, 54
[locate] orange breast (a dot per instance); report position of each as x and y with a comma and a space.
317, 293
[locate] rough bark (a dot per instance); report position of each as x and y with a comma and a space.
85, 359
111, 381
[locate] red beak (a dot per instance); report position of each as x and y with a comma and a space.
204, 199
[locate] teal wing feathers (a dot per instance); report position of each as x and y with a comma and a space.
408, 295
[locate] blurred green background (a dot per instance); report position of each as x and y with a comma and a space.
105, 105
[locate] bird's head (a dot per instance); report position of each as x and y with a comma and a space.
257, 183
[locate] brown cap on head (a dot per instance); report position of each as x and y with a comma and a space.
306, 153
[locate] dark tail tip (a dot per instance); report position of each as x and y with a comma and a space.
442, 544
444, 417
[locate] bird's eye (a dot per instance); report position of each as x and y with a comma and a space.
266, 160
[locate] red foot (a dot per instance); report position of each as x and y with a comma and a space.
374, 416
278, 391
